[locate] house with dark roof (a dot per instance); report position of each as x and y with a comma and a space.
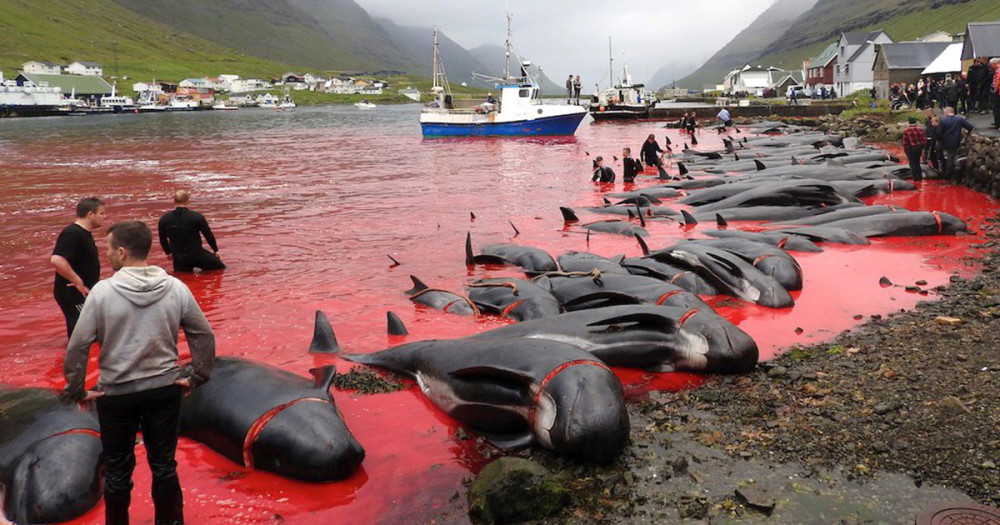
855, 58
982, 39
85, 68
902, 63
819, 69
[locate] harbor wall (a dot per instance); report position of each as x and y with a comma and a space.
779, 110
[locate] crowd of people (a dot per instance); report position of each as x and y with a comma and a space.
977, 91
651, 154
135, 316
936, 142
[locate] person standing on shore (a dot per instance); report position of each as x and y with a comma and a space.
569, 90
726, 118
577, 87
914, 141
135, 317
948, 137
995, 92
75, 258
180, 237
651, 155
631, 166
974, 77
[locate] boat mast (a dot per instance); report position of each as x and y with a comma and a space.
611, 66
440, 78
506, 64
434, 62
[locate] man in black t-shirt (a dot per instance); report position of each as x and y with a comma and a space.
180, 236
75, 258
632, 166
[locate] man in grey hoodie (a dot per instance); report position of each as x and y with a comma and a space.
135, 316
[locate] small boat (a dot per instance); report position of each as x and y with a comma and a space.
117, 103
286, 101
364, 104
622, 101
222, 106
183, 103
520, 111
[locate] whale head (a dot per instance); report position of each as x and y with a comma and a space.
581, 413
56, 479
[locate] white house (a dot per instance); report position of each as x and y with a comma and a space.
313, 79
370, 90
143, 87
754, 79
856, 59
198, 83
937, 36
41, 68
216, 84
246, 85
340, 86
85, 68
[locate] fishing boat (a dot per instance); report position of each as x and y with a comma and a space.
117, 103
364, 104
222, 106
519, 112
621, 101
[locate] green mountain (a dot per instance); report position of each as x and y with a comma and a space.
763, 33
124, 42
325, 34
459, 63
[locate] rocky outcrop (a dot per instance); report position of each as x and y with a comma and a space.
511, 489
981, 170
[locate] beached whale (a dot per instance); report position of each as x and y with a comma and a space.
588, 262
727, 272
792, 243
263, 417
532, 260
895, 224
586, 292
658, 338
613, 226
518, 392
516, 299
443, 300
686, 279
771, 260
50, 453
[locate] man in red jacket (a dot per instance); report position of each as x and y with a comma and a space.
914, 140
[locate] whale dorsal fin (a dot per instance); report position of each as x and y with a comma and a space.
418, 286
689, 219
642, 244
720, 221
470, 258
324, 341
682, 169
760, 165
568, 214
323, 376
395, 324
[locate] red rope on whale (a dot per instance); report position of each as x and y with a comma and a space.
84, 431
556, 371
262, 421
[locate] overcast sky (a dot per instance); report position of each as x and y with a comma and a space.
572, 37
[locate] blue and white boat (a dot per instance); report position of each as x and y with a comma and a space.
519, 112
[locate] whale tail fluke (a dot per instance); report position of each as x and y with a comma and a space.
323, 376
395, 324
324, 341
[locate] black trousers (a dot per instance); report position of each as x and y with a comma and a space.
204, 259
996, 110
913, 156
158, 413
949, 155
70, 301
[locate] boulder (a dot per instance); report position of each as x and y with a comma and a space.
510, 490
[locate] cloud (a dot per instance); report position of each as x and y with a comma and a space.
572, 37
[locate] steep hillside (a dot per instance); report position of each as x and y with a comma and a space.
951, 16
101, 31
418, 43
326, 34
763, 34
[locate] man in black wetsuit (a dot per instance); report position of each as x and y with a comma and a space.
75, 258
602, 173
650, 155
632, 166
180, 236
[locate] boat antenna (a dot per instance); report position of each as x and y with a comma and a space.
506, 64
611, 65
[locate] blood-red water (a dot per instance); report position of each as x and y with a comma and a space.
306, 205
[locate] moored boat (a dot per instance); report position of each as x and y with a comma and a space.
621, 101
364, 104
519, 112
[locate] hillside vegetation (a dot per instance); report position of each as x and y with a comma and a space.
101, 31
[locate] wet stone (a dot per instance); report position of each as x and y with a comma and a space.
756, 499
510, 490
778, 371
